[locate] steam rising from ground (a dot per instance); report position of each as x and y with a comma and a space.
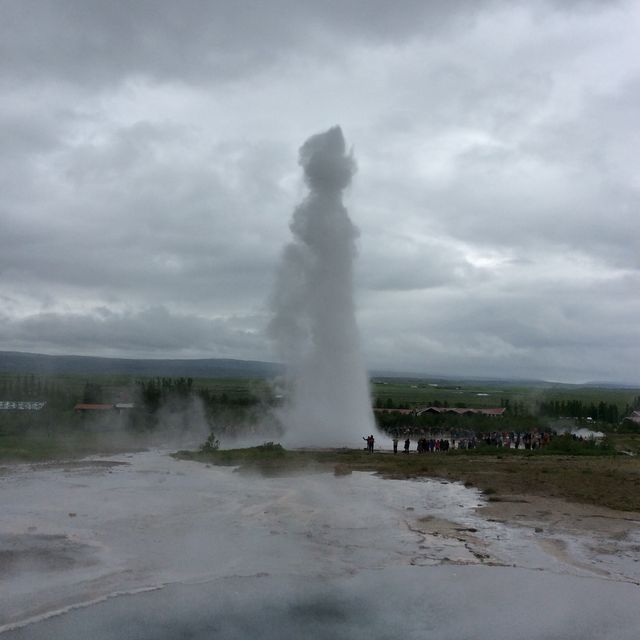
314, 322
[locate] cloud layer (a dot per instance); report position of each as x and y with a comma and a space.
148, 172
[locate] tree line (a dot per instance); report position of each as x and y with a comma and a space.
601, 412
31, 387
519, 412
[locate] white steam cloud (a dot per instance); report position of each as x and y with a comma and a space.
314, 322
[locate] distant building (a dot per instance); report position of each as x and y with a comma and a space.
391, 410
21, 405
494, 412
87, 407
634, 417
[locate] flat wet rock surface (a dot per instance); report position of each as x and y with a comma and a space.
439, 603
36, 553
75, 535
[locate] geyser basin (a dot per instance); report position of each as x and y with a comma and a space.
235, 556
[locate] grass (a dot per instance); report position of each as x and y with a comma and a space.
485, 393
605, 480
38, 447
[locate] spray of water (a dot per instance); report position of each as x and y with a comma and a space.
314, 324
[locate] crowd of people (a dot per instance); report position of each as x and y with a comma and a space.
516, 440
508, 439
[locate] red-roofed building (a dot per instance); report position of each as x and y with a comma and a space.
387, 410
461, 411
83, 407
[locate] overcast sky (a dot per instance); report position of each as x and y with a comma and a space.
148, 172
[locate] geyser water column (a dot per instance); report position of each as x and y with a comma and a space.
314, 325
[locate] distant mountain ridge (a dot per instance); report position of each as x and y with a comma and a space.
37, 363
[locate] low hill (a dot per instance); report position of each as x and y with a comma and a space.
17, 362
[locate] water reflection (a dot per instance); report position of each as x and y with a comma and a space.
435, 602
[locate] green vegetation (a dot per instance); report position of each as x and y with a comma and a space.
567, 445
36, 446
408, 391
161, 406
527, 407
268, 459
244, 406
210, 444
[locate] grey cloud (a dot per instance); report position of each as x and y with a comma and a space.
558, 332
148, 160
21, 133
541, 205
392, 262
146, 332
98, 42
124, 219
530, 170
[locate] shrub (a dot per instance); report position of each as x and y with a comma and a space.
270, 447
211, 444
568, 445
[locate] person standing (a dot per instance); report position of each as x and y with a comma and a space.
407, 444
395, 444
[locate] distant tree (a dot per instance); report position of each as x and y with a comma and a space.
150, 394
92, 393
211, 444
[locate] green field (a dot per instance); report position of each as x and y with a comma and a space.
412, 392
230, 405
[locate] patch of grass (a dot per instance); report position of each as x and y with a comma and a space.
627, 442
37, 447
567, 445
269, 458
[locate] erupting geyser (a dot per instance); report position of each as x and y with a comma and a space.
314, 322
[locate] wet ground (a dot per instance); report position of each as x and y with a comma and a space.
144, 546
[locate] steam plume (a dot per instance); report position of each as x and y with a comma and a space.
314, 317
